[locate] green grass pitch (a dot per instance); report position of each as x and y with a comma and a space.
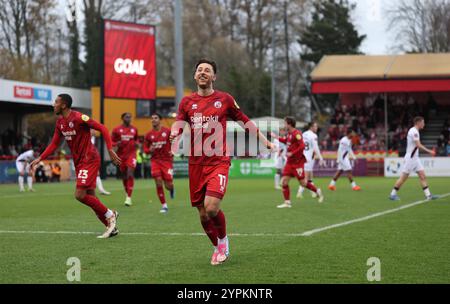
412, 244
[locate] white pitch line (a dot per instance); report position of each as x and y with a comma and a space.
142, 233
306, 233
365, 218
68, 193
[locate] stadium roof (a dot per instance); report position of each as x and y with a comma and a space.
36, 94
375, 74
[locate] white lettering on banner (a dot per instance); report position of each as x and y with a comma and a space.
23, 92
433, 166
128, 66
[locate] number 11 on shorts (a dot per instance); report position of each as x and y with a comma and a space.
222, 181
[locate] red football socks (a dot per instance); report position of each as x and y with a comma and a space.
130, 186
286, 193
99, 209
160, 191
220, 223
125, 185
210, 231
311, 187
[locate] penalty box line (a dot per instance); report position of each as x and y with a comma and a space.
303, 234
368, 217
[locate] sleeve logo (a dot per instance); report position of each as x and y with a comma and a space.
298, 137
84, 117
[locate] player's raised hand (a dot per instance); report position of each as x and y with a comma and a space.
115, 159
34, 163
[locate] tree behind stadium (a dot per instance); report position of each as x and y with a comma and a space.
331, 32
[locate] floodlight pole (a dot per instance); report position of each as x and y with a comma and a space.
179, 80
386, 125
102, 95
272, 112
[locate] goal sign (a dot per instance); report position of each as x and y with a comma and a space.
129, 60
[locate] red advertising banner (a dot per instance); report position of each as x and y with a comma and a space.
129, 60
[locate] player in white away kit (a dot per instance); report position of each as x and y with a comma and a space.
412, 161
99, 180
23, 166
343, 158
279, 156
311, 151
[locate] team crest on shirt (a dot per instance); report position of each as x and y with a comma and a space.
70, 124
121, 130
152, 137
62, 126
132, 130
217, 104
194, 106
164, 134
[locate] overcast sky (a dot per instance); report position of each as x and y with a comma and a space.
368, 17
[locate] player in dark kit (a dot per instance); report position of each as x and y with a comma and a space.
125, 138
206, 113
156, 143
295, 165
75, 128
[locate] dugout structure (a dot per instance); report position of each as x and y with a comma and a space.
354, 77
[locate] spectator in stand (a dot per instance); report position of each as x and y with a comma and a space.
40, 173
56, 173
367, 119
448, 148
373, 141
13, 151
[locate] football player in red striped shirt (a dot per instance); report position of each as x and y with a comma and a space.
206, 112
156, 143
295, 165
75, 128
125, 138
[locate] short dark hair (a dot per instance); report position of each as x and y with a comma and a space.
67, 99
157, 114
418, 119
311, 124
290, 121
210, 62
123, 114
349, 131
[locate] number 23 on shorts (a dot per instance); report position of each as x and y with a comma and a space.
83, 174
